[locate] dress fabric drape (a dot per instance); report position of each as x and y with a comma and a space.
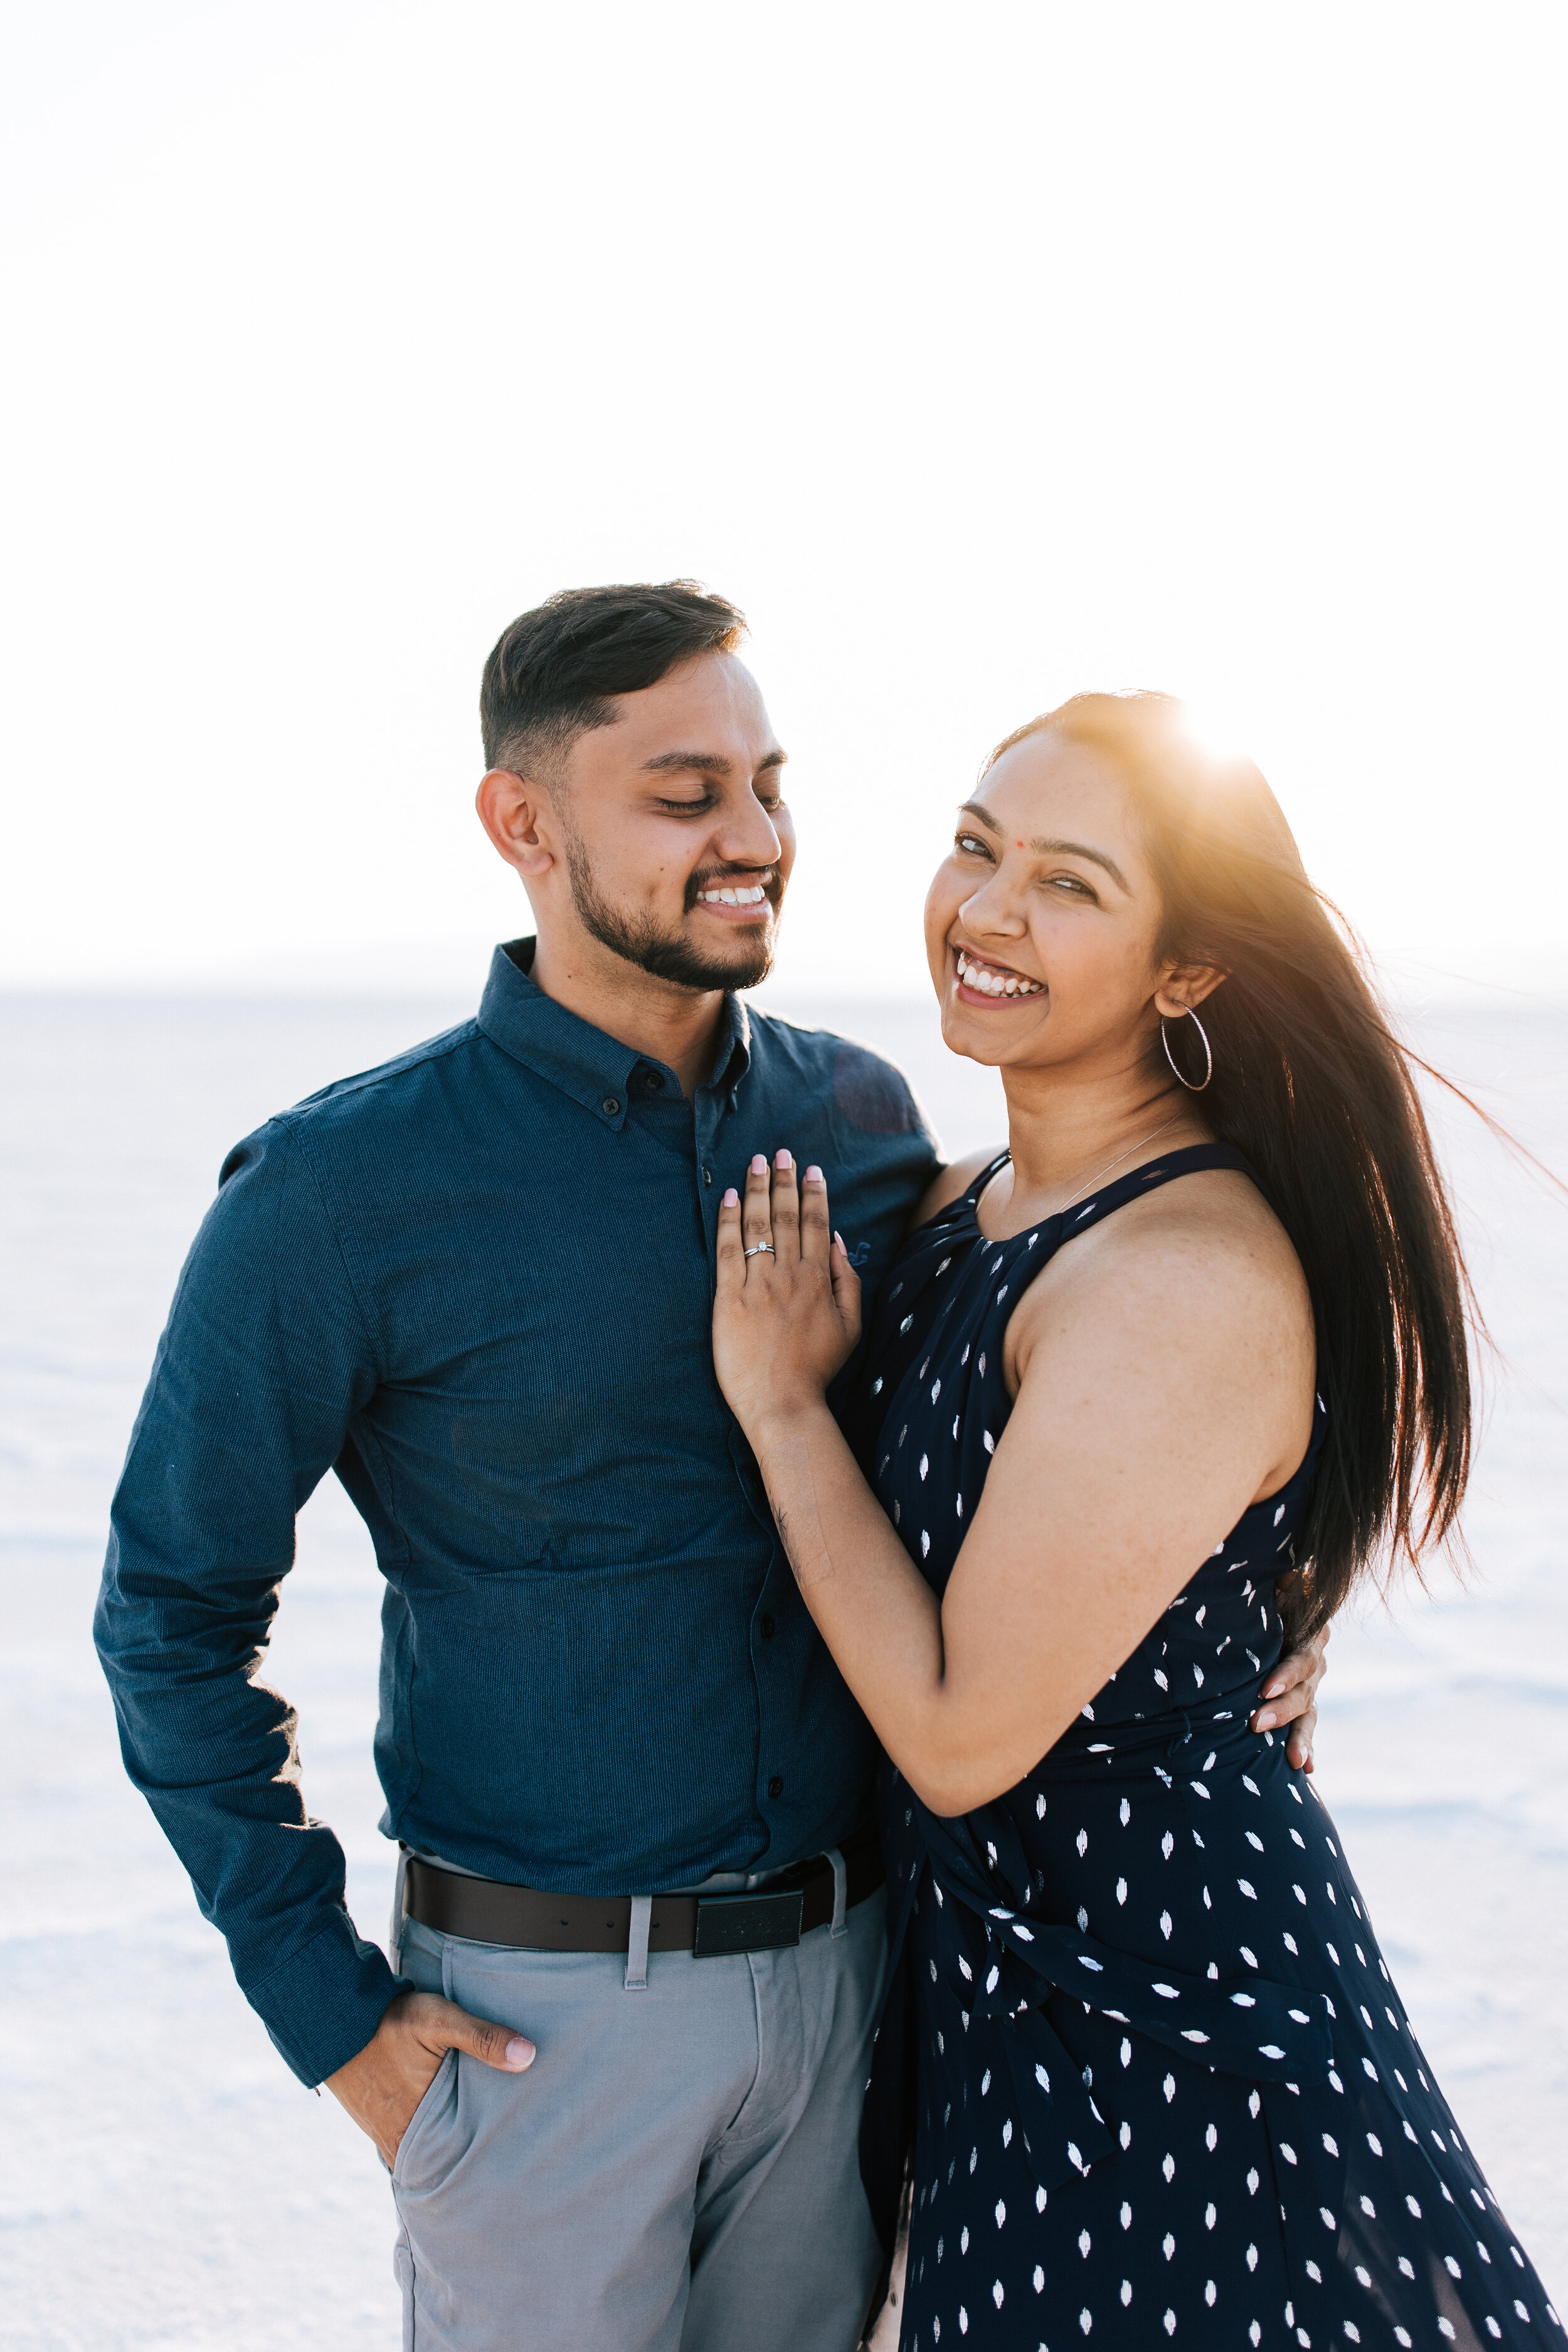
1157, 2081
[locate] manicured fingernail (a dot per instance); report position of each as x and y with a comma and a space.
839, 1241
731, 1198
813, 1175
519, 2052
1272, 1690
782, 1160
759, 1165
1266, 1720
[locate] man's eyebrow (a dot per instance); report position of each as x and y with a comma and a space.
705, 763
1043, 848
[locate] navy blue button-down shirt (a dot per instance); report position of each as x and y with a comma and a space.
478, 1283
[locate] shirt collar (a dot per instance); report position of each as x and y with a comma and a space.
586, 1064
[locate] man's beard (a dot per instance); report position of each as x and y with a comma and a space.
640, 941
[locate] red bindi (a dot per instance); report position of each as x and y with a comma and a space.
1020, 845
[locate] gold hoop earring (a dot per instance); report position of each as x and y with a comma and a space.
1208, 1053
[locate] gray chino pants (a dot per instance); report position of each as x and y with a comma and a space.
676, 2172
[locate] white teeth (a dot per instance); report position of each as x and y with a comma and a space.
752, 895
987, 982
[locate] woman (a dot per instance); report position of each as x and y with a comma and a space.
1206, 1310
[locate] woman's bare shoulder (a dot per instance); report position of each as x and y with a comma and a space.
1210, 1240
1188, 1300
948, 1182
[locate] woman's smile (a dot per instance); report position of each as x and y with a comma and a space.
983, 980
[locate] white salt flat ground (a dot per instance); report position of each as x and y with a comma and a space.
165, 2185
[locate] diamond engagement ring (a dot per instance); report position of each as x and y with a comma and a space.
758, 1247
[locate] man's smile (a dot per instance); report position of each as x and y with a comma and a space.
735, 902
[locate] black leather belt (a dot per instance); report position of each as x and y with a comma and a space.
766, 1918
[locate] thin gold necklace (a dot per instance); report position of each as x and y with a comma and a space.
1073, 1198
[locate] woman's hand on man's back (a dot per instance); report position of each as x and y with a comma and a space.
1290, 1695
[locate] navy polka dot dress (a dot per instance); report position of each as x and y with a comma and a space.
1159, 2085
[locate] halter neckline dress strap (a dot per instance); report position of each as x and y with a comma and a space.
1191, 1159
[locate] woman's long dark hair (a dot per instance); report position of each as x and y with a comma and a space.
1311, 1085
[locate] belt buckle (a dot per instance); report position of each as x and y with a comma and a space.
758, 1922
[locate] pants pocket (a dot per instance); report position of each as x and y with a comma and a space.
425, 2148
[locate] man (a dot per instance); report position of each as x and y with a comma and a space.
639, 1920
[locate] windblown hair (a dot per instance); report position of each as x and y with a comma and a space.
552, 673
1312, 1086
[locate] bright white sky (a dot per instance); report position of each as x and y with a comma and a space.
981, 354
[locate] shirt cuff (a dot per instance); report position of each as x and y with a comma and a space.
323, 2006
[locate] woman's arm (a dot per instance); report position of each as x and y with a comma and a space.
1160, 1380
1289, 1694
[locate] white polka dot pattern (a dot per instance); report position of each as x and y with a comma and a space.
1162, 2087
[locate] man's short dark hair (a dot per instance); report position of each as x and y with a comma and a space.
550, 676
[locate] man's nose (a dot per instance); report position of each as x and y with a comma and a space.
747, 837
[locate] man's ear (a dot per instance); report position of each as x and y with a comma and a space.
1183, 985
510, 807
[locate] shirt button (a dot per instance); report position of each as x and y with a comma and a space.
776, 1786
652, 1081
766, 1629
610, 1106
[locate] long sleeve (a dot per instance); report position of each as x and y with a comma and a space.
266, 1358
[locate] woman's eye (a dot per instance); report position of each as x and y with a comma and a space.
973, 843
1072, 886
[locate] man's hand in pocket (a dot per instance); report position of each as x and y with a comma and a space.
381, 2087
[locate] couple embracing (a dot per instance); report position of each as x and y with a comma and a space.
835, 1707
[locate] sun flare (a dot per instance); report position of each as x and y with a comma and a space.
1221, 729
